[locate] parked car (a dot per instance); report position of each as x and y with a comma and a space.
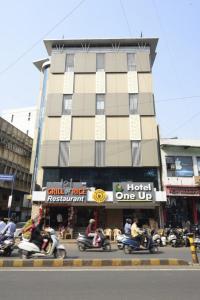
19, 227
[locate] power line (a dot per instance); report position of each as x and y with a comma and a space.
125, 17
42, 38
178, 98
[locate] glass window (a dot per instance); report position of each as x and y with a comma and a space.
133, 103
69, 63
100, 61
179, 166
67, 105
131, 62
136, 153
64, 154
198, 165
100, 153
100, 102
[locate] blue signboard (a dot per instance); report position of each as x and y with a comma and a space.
6, 177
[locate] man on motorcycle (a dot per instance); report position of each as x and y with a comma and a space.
136, 232
127, 227
8, 231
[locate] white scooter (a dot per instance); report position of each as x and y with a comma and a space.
30, 250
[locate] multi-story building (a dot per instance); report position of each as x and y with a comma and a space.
97, 129
15, 158
22, 118
181, 180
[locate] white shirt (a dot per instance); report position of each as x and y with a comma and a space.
59, 218
2, 225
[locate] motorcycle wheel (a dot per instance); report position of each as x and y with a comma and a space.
107, 247
120, 247
81, 247
8, 252
127, 249
60, 253
23, 254
153, 249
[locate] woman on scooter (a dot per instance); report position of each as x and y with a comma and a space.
90, 230
36, 236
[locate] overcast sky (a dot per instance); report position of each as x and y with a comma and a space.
177, 66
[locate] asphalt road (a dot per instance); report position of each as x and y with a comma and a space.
98, 285
164, 253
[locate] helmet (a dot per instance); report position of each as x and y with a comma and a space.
128, 220
92, 221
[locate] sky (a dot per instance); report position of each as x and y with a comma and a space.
176, 71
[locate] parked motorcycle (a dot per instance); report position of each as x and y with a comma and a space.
7, 247
85, 242
29, 250
131, 244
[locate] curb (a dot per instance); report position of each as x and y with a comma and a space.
90, 262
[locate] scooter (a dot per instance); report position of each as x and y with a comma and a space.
131, 244
86, 242
30, 250
7, 246
120, 238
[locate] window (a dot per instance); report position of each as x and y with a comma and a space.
179, 166
100, 61
198, 165
136, 153
131, 62
69, 63
12, 118
67, 105
100, 103
133, 103
64, 154
100, 154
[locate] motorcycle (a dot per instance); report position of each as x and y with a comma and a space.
54, 248
131, 244
86, 242
120, 238
7, 247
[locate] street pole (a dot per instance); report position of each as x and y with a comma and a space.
10, 204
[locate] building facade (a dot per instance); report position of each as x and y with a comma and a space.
181, 180
22, 118
97, 130
15, 158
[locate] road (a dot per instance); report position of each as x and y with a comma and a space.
151, 284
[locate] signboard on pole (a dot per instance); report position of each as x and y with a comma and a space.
6, 177
9, 201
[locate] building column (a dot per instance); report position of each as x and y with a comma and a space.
195, 213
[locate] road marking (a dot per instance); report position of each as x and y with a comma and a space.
96, 270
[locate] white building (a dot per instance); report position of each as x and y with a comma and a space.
181, 180
22, 118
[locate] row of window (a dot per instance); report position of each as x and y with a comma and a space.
181, 166
99, 153
100, 62
100, 104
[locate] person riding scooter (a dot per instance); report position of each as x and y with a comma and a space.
136, 232
90, 230
36, 235
8, 231
127, 227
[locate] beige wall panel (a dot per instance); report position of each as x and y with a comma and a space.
145, 82
135, 127
68, 86
100, 82
40, 176
54, 105
116, 83
132, 82
49, 154
65, 128
117, 104
85, 62
117, 128
149, 153
58, 63
149, 128
118, 153
84, 104
51, 129
146, 104
82, 154
143, 61
85, 83
100, 134
55, 84
116, 62
83, 128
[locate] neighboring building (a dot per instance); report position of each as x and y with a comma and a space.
22, 118
97, 129
181, 180
15, 157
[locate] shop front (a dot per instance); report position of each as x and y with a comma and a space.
183, 204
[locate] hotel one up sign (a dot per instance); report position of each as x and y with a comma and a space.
133, 191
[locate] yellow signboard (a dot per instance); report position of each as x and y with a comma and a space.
99, 196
